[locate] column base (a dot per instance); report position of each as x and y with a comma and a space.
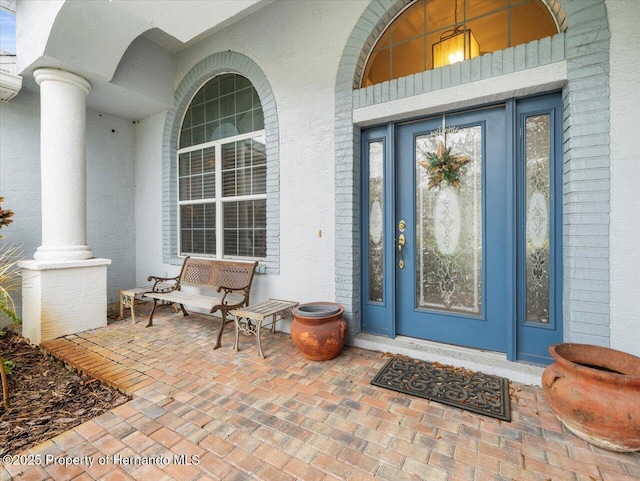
63, 297
63, 253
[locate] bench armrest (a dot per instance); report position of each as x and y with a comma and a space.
229, 290
164, 284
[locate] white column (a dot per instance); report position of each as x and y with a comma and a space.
64, 289
63, 164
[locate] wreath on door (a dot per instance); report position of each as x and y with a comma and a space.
443, 166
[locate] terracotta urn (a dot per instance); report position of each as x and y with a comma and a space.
318, 330
595, 392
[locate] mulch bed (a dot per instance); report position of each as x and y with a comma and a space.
46, 398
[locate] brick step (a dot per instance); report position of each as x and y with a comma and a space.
85, 361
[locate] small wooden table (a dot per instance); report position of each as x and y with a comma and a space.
128, 300
257, 313
128, 297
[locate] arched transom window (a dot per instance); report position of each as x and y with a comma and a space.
432, 33
222, 171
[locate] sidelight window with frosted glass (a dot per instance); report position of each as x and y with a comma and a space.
222, 172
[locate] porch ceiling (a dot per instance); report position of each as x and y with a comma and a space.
92, 39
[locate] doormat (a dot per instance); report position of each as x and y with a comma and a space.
454, 386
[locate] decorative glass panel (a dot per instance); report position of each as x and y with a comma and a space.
449, 220
537, 161
376, 221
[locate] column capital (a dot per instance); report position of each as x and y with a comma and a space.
57, 75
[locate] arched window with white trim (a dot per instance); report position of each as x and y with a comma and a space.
222, 172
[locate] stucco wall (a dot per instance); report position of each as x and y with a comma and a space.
289, 42
624, 17
20, 174
110, 163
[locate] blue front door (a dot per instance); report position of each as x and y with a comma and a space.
452, 229
461, 217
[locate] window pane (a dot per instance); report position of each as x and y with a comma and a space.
197, 115
531, 21
209, 186
409, 25
184, 186
258, 119
185, 138
197, 229
441, 14
209, 159
241, 82
210, 216
213, 131
408, 58
185, 241
227, 84
229, 156
229, 183
244, 100
479, 8
491, 31
212, 89
198, 215
378, 68
185, 216
256, 100
243, 234
244, 122
198, 135
259, 180
198, 241
212, 110
183, 165
196, 162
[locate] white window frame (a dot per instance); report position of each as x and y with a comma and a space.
219, 200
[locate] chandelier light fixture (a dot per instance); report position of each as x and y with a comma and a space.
455, 45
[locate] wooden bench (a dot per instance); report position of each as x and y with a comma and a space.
231, 281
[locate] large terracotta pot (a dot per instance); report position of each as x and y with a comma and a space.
318, 330
595, 392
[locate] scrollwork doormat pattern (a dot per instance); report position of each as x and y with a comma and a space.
474, 391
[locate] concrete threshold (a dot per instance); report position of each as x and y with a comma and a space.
488, 362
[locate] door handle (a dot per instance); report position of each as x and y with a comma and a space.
402, 240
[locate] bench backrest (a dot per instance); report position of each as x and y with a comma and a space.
212, 273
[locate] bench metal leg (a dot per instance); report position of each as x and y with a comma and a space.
155, 304
219, 335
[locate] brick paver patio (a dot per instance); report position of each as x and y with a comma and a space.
202, 414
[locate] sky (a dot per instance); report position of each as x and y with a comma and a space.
7, 32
